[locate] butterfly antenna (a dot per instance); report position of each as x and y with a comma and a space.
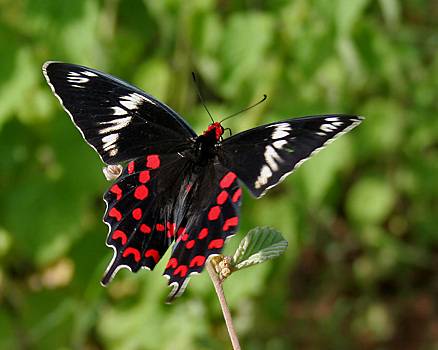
247, 108
200, 96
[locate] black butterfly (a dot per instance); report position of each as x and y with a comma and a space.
177, 187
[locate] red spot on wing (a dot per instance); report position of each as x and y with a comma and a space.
144, 176
184, 237
170, 229
114, 213
237, 195
203, 233
153, 161
190, 244
145, 229
181, 270
117, 191
227, 180
137, 213
120, 234
216, 243
132, 251
172, 263
181, 231
214, 213
131, 167
141, 192
222, 197
198, 260
159, 227
230, 223
153, 253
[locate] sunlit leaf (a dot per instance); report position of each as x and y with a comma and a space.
259, 245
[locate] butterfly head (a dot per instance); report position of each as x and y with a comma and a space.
214, 129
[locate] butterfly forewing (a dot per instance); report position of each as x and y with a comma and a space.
265, 155
118, 120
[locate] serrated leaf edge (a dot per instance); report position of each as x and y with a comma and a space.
265, 254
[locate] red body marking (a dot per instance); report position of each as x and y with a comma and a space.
216, 129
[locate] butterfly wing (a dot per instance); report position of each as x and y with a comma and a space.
139, 212
159, 200
264, 156
212, 217
118, 120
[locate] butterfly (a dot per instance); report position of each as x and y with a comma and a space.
177, 188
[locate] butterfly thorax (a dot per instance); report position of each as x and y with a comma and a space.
214, 130
206, 143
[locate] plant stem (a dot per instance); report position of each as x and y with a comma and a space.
224, 306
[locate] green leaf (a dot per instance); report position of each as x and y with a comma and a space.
259, 245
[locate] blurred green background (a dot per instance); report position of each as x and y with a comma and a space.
361, 270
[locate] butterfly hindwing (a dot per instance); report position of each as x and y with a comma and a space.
264, 156
147, 212
137, 214
118, 120
209, 223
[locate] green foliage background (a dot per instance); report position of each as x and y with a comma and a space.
360, 217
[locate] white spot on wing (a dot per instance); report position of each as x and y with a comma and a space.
279, 144
271, 157
149, 100
332, 119
118, 111
115, 124
109, 141
264, 176
77, 80
90, 74
328, 127
281, 130
134, 100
